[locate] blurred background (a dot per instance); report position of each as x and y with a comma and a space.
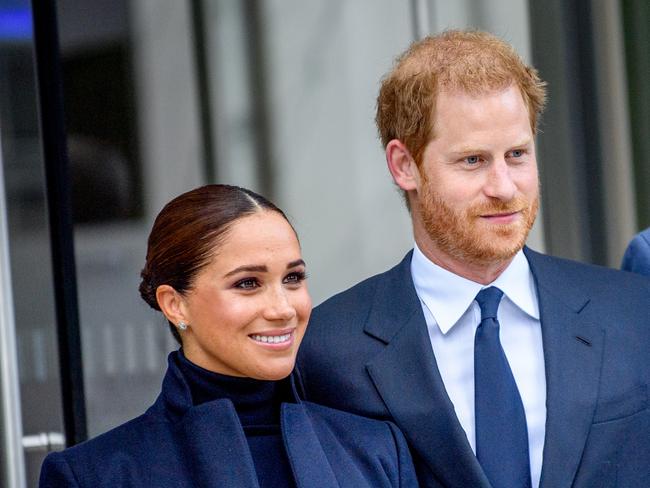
146, 99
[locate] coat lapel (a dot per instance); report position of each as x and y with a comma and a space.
211, 439
215, 446
407, 378
308, 460
573, 350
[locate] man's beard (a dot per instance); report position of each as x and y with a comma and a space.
463, 235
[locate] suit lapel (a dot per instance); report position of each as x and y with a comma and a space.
308, 460
573, 350
407, 378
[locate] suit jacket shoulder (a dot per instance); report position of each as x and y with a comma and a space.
358, 299
574, 282
347, 330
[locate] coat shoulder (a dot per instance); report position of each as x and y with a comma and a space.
111, 455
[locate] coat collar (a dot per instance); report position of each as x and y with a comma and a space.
215, 446
217, 451
175, 400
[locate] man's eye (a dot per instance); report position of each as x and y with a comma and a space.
473, 159
517, 153
247, 284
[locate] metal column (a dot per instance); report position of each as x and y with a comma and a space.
13, 458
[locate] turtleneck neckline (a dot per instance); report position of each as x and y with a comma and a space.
257, 402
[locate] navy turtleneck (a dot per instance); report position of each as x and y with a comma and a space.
257, 404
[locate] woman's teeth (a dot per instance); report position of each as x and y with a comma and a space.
271, 339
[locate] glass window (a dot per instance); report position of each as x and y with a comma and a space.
28, 245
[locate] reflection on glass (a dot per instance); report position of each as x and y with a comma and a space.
124, 344
31, 269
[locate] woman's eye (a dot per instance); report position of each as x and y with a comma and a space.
247, 284
293, 278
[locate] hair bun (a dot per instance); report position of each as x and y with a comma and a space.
148, 290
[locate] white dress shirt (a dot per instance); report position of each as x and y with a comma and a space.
452, 316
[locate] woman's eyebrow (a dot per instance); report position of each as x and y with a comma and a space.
248, 268
260, 268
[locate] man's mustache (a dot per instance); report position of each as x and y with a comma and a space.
517, 204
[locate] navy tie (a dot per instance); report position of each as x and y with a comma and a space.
501, 433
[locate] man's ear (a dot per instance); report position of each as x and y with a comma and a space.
171, 304
402, 165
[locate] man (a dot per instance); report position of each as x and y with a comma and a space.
637, 254
502, 366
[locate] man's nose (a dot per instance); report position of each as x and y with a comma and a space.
499, 183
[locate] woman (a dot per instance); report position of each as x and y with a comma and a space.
224, 267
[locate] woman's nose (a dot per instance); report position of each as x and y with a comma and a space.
279, 307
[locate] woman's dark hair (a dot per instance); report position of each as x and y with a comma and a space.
186, 232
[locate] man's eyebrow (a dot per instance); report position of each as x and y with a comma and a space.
247, 268
468, 150
523, 142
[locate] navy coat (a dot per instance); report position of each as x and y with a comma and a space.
175, 444
637, 254
367, 351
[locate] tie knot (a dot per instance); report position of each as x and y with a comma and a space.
488, 299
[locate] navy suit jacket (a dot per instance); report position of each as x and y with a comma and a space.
367, 350
175, 444
637, 254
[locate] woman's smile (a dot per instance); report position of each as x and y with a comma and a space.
275, 340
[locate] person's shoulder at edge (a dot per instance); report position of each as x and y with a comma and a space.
637, 255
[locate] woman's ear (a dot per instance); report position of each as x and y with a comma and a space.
402, 165
172, 304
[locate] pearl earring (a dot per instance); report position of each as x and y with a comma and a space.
182, 325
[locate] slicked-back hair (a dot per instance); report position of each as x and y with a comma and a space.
188, 231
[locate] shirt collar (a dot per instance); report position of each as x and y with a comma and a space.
448, 296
